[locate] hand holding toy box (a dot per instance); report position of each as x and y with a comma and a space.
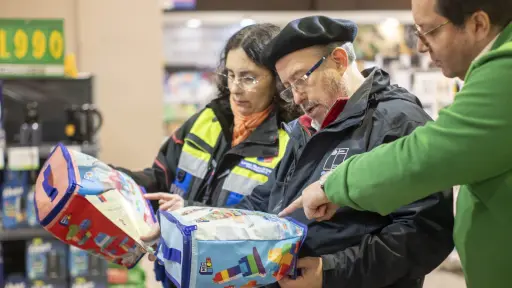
89, 205
221, 247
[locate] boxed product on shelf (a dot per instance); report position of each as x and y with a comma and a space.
14, 195
86, 270
50, 283
46, 261
16, 281
119, 276
88, 282
82, 263
31, 208
1, 267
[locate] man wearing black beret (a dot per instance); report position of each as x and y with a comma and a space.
348, 112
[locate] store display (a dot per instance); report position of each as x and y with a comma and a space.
204, 247
75, 191
31, 210
84, 264
119, 276
46, 262
16, 281
82, 123
14, 196
1, 267
30, 130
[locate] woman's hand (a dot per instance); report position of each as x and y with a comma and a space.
166, 201
151, 239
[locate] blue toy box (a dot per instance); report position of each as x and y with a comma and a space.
222, 247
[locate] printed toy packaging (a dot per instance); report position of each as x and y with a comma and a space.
89, 205
14, 195
229, 248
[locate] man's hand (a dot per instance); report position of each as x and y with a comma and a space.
167, 201
311, 274
315, 204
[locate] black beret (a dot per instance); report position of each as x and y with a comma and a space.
306, 32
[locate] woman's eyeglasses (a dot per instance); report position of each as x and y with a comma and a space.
247, 83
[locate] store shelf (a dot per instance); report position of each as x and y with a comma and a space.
46, 149
23, 234
283, 17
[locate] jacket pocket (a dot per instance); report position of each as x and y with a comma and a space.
276, 197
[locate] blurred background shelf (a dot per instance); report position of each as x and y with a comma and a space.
20, 234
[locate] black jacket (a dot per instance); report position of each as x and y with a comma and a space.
162, 176
362, 249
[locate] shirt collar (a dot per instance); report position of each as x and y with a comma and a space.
487, 48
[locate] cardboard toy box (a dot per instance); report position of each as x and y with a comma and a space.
87, 204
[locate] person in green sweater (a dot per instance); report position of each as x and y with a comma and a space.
470, 144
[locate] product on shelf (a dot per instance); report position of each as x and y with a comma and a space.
1, 267
14, 197
16, 281
86, 203
232, 247
46, 262
31, 209
86, 270
88, 282
119, 276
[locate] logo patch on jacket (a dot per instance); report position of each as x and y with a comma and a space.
265, 160
255, 167
337, 156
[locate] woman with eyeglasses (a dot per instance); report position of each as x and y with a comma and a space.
231, 146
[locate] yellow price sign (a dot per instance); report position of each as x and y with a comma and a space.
32, 47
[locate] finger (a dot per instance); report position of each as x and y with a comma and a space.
152, 236
329, 213
168, 204
176, 206
292, 207
285, 282
320, 211
158, 196
151, 257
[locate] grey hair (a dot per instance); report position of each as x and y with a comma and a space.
347, 46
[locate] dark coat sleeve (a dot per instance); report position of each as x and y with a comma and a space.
159, 176
417, 240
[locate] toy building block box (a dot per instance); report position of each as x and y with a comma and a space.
87, 204
210, 247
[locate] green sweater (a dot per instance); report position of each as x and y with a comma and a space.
470, 144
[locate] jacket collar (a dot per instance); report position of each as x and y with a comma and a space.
266, 134
505, 36
376, 80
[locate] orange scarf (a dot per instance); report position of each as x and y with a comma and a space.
244, 125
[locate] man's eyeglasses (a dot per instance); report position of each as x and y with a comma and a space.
247, 83
422, 35
300, 84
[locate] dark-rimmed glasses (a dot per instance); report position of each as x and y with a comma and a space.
300, 84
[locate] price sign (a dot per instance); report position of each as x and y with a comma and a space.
32, 47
